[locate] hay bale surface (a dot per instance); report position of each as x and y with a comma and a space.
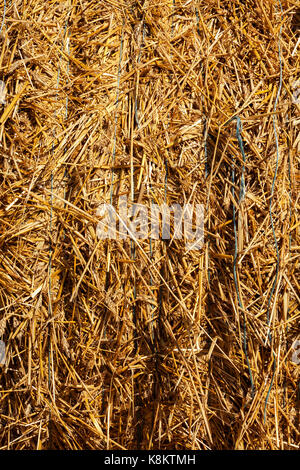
143, 344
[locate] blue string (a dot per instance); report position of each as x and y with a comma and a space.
241, 197
51, 223
151, 279
205, 146
113, 156
132, 243
139, 59
270, 211
49, 273
166, 160
172, 26
116, 117
67, 99
239, 128
150, 239
206, 176
3, 18
166, 174
205, 149
68, 69
290, 244
198, 20
245, 346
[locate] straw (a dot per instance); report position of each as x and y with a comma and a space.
142, 343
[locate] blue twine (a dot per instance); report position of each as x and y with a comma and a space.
67, 97
3, 17
151, 279
290, 200
116, 117
239, 128
166, 160
206, 176
49, 273
51, 222
270, 212
290, 244
139, 59
132, 244
245, 346
205, 150
166, 179
198, 20
68, 69
172, 26
113, 156
241, 197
